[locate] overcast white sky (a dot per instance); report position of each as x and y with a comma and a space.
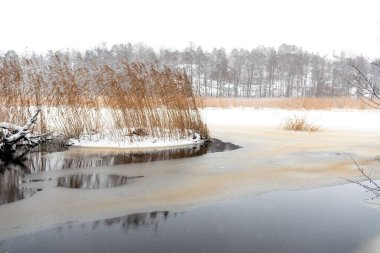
315, 25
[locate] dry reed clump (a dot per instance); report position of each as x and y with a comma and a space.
79, 98
306, 103
297, 123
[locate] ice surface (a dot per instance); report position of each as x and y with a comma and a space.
353, 120
271, 159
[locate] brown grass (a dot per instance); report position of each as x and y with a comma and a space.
307, 103
90, 98
299, 124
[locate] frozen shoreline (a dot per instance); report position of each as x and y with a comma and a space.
135, 141
271, 159
139, 144
334, 119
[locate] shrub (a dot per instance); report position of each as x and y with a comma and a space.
297, 123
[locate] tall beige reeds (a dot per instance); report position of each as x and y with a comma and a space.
85, 98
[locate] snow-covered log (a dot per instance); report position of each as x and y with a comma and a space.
9, 126
13, 134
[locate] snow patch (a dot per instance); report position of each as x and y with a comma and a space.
101, 141
353, 120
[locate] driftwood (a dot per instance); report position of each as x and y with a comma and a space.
14, 136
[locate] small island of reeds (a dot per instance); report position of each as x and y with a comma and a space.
106, 105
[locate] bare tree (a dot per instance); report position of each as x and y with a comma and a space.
364, 80
371, 186
262, 72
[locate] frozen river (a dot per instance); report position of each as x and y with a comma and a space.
281, 192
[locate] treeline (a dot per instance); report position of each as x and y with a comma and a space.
287, 71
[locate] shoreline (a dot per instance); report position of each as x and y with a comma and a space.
121, 145
271, 159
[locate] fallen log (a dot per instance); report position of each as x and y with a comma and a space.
13, 135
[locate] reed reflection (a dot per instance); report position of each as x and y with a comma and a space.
10, 186
43, 159
93, 181
81, 157
148, 221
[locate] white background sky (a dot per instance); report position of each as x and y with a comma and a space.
315, 25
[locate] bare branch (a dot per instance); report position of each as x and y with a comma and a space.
366, 87
373, 189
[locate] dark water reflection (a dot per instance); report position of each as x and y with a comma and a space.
40, 159
148, 221
132, 222
10, 187
81, 157
93, 181
324, 220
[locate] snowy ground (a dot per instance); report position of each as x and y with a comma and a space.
136, 142
347, 120
353, 120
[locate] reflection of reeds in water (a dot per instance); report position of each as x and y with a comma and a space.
148, 221
86, 98
134, 221
93, 181
80, 157
98, 158
10, 189
9, 185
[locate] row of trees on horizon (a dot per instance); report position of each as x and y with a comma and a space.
288, 71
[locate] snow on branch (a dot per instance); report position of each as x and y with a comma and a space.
12, 134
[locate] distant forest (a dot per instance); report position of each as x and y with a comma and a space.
288, 71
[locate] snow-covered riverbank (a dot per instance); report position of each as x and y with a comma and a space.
134, 142
334, 119
326, 120
271, 159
